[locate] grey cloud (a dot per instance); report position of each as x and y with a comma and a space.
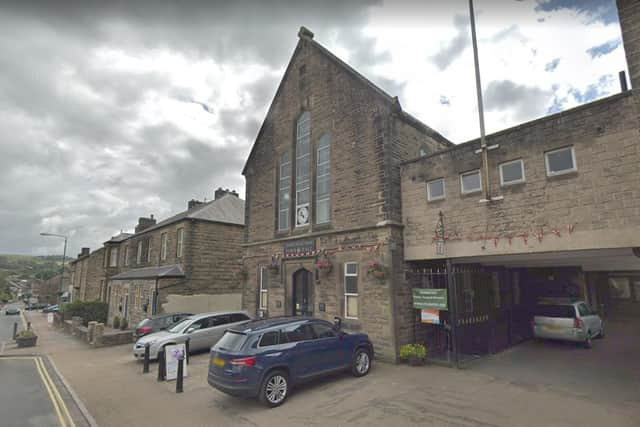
512, 32
526, 102
552, 65
454, 48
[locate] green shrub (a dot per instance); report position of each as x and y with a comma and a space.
413, 350
123, 324
27, 333
88, 310
116, 322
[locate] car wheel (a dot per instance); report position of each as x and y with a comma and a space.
587, 342
275, 388
361, 363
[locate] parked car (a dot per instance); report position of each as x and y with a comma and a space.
159, 323
570, 321
51, 309
266, 358
12, 310
203, 330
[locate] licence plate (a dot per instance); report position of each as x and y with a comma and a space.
553, 328
218, 362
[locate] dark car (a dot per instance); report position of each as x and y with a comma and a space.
159, 323
266, 358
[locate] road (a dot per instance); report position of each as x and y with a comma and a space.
6, 327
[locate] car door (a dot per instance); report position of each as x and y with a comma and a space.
303, 350
591, 322
197, 332
329, 349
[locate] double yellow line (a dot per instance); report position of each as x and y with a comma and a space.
54, 395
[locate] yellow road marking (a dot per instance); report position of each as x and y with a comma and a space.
55, 390
51, 396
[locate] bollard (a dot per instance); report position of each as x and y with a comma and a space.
161, 373
186, 350
15, 329
28, 326
145, 368
180, 374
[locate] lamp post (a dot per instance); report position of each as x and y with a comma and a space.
64, 256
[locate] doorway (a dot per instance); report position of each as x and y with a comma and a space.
302, 295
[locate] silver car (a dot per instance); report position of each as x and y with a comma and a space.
203, 331
571, 321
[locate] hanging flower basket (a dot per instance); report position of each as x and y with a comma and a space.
324, 266
275, 264
377, 270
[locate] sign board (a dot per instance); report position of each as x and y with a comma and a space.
50, 318
430, 298
428, 315
172, 355
299, 248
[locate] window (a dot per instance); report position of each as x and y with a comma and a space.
179, 245
238, 317
268, 339
303, 166
126, 255
264, 288
139, 254
323, 331
351, 290
560, 161
423, 151
113, 257
149, 249
163, 246
470, 182
284, 192
300, 333
512, 172
435, 189
323, 181
219, 320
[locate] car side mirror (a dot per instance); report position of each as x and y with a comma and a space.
337, 323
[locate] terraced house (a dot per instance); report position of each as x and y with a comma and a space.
188, 262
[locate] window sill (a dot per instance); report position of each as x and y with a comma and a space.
438, 200
471, 193
561, 175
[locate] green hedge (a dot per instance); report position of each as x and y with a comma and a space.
88, 310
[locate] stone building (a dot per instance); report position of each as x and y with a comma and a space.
188, 262
560, 217
323, 197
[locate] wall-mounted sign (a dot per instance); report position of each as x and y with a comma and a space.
428, 315
299, 248
430, 298
172, 354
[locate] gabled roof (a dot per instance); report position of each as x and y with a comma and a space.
162, 272
307, 36
119, 237
228, 209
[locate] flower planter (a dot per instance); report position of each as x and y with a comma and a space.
324, 271
380, 275
27, 342
416, 361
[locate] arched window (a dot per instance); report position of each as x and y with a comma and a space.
303, 167
284, 192
323, 181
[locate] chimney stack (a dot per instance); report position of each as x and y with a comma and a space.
194, 203
623, 81
144, 223
220, 192
84, 252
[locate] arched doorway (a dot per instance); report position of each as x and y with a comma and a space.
302, 293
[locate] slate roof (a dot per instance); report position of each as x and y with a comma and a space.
228, 209
119, 237
161, 272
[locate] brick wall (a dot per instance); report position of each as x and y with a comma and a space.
601, 200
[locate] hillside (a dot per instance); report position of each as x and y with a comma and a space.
29, 267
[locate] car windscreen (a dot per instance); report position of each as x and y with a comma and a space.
145, 322
557, 311
178, 327
231, 341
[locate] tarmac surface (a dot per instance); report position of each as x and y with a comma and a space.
111, 384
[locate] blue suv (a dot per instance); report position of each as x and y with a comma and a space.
265, 358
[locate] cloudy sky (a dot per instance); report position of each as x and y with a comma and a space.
114, 110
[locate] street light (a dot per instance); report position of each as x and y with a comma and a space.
64, 256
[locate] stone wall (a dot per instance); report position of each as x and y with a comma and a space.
629, 12
598, 206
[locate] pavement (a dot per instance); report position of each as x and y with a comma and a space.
116, 393
32, 393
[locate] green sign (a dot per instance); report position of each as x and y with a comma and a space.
430, 298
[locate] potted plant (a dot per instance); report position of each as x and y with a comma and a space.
26, 338
116, 322
377, 270
324, 265
124, 323
414, 354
